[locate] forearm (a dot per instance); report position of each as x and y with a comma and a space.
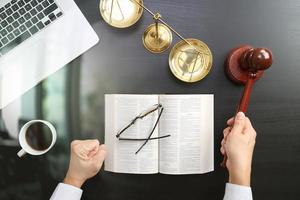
73, 181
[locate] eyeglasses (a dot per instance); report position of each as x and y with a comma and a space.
143, 114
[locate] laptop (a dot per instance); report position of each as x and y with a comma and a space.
37, 38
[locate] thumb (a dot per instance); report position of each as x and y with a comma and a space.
239, 123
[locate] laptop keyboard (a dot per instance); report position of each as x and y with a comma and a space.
21, 19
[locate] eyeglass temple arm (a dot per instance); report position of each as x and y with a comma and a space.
151, 131
143, 139
151, 111
134, 120
126, 127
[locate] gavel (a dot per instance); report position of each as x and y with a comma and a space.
245, 65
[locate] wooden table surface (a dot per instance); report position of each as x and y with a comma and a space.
123, 65
120, 64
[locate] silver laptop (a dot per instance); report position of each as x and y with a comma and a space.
37, 38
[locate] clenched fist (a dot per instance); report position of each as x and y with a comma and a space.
87, 157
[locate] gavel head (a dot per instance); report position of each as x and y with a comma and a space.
256, 59
245, 60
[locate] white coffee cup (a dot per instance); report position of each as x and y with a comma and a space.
26, 148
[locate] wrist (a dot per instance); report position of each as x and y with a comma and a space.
242, 177
73, 181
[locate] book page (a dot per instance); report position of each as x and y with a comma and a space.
120, 110
189, 121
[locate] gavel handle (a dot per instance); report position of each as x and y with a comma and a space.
244, 102
243, 105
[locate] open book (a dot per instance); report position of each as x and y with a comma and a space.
188, 119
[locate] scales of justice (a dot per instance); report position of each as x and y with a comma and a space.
190, 60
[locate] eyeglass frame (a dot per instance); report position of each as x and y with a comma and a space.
158, 107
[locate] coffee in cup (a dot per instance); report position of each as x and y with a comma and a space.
36, 137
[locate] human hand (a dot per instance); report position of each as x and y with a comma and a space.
238, 144
87, 157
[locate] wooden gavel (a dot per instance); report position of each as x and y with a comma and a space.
245, 65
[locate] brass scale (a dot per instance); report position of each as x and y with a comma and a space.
190, 60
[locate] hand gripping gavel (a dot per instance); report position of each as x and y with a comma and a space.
245, 65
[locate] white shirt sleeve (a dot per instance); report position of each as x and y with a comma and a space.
66, 192
232, 192
237, 192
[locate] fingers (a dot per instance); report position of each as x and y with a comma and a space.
92, 152
85, 149
222, 149
101, 154
242, 124
230, 121
103, 147
226, 131
223, 142
91, 145
88, 144
239, 123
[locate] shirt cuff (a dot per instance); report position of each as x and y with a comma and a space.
66, 192
237, 192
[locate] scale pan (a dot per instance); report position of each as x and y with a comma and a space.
121, 13
188, 64
156, 44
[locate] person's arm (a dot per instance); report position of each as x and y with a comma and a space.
86, 160
238, 144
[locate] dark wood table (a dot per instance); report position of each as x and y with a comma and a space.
124, 66
120, 64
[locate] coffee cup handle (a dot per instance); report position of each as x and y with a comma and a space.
21, 153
